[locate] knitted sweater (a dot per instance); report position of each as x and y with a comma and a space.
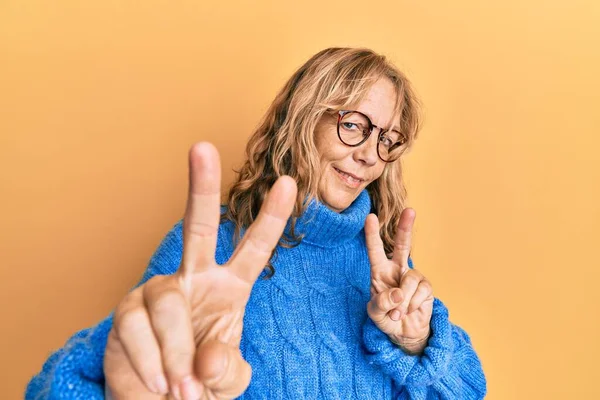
306, 332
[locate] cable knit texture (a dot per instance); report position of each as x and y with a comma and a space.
306, 330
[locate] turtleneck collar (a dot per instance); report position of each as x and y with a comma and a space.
324, 227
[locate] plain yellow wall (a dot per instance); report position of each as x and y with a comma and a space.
100, 100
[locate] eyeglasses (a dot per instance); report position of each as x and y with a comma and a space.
354, 128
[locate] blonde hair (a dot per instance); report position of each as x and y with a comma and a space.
283, 143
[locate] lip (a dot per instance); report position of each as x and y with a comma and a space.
353, 184
348, 173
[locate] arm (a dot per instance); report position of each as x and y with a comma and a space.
449, 368
76, 370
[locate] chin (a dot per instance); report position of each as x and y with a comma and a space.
338, 196
338, 202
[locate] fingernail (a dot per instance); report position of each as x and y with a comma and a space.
395, 315
189, 390
161, 385
396, 297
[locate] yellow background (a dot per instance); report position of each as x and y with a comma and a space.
100, 101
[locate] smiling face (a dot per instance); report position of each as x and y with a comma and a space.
346, 170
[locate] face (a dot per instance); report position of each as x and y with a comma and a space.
346, 170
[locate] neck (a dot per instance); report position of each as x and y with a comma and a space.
321, 226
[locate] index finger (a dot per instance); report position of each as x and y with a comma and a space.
403, 238
262, 236
202, 213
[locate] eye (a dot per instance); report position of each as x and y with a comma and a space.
349, 126
386, 141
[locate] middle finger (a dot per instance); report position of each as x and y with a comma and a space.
253, 252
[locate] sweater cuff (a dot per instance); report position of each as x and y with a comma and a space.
406, 369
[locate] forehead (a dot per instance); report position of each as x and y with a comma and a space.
379, 104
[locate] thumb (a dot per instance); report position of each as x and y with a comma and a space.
382, 303
222, 369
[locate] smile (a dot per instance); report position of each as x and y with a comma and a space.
350, 180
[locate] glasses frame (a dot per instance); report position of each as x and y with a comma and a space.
372, 126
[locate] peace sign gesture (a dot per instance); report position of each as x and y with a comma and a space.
401, 298
180, 334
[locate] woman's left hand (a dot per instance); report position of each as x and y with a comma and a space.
401, 298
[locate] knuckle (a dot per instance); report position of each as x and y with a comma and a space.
411, 279
259, 244
421, 290
166, 301
148, 368
130, 321
178, 362
130, 302
382, 301
373, 239
415, 273
201, 229
376, 276
154, 285
120, 311
401, 247
425, 286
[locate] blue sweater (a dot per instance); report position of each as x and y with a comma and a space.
306, 332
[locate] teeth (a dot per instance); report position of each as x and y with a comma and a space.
350, 178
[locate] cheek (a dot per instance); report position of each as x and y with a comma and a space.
334, 150
376, 171
331, 153
330, 156
324, 133
328, 145
379, 171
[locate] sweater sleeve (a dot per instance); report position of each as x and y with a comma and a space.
448, 369
75, 371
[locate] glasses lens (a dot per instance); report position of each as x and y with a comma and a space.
390, 146
353, 128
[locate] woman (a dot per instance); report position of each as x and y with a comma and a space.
339, 312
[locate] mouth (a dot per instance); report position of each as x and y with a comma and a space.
351, 180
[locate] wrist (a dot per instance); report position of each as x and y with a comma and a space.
413, 347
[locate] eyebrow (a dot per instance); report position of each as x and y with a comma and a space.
395, 128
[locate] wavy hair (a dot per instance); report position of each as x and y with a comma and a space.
284, 143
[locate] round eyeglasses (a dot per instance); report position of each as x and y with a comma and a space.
354, 128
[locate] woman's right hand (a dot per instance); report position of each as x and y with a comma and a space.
181, 333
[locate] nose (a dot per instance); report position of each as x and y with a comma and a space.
366, 153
